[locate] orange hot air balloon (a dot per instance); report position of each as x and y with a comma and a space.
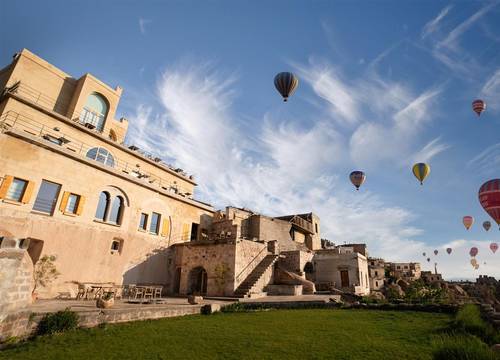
468, 221
494, 247
473, 251
478, 106
486, 225
448, 250
473, 262
357, 178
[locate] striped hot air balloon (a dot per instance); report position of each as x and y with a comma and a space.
468, 221
357, 178
478, 106
486, 225
421, 171
286, 83
489, 197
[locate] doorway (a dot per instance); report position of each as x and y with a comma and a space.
198, 281
177, 281
344, 278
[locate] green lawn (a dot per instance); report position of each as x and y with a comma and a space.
277, 334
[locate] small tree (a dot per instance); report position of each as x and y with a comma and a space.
45, 271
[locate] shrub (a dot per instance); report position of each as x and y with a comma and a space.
461, 347
57, 322
45, 272
469, 320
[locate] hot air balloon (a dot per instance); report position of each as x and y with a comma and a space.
286, 83
473, 251
478, 106
486, 225
421, 171
494, 247
435, 252
428, 259
468, 221
473, 262
448, 250
423, 254
357, 178
489, 197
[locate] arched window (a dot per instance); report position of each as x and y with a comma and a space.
94, 112
115, 214
102, 206
102, 155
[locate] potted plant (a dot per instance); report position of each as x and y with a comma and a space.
107, 300
44, 273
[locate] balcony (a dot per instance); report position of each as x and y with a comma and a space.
54, 136
302, 224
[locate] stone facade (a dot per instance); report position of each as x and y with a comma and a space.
407, 271
344, 271
58, 158
376, 269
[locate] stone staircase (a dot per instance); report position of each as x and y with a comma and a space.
244, 290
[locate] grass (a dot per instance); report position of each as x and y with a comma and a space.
278, 334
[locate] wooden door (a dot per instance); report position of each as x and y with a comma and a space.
344, 278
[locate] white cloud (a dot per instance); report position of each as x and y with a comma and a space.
433, 25
430, 150
490, 91
488, 161
142, 24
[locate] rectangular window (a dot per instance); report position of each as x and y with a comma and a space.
47, 197
143, 224
154, 227
316, 227
16, 189
72, 204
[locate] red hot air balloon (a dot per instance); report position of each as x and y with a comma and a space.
478, 106
468, 221
489, 197
357, 178
473, 251
486, 225
435, 252
494, 247
286, 83
448, 250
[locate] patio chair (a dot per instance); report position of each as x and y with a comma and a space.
138, 292
149, 292
157, 293
82, 290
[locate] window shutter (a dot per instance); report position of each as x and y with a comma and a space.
185, 232
81, 203
64, 201
28, 192
165, 229
7, 181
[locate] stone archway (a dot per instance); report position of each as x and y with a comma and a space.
197, 281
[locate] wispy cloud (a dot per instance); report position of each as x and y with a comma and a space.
430, 150
142, 25
488, 161
491, 89
433, 25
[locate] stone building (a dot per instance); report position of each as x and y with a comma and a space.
406, 271
376, 273
241, 251
430, 277
69, 184
341, 268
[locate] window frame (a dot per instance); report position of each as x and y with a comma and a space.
143, 226
109, 159
54, 200
23, 191
158, 223
77, 202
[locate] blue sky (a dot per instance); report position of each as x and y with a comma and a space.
383, 84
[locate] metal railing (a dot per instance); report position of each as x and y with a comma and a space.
53, 135
61, 107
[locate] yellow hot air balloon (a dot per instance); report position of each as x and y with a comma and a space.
421, 171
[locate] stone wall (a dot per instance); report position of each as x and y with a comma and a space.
16, 285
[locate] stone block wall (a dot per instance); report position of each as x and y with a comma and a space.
16, 285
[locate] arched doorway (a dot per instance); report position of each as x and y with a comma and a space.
198, 281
